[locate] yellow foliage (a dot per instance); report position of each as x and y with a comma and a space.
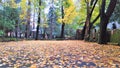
70, 2
24, 8
69, 13
13, 4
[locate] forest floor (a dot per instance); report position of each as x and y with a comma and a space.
58, 54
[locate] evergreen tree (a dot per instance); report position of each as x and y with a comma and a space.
51, 20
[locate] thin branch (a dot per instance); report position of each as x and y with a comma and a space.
95, 19
93, 7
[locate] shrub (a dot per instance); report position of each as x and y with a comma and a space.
7, 39
1, 33
115, 37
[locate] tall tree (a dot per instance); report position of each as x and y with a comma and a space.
51, 20
38, 23
23, 15
8, 18
11, 8
104, 19
92, 15
63, 24
27, 34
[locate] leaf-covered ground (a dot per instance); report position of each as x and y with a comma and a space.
58, 54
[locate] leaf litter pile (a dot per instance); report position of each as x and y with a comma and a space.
58, 54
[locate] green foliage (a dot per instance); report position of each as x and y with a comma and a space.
115, 38
8, 18
116, 14
70, 29
1, 32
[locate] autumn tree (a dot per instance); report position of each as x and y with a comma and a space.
68, 11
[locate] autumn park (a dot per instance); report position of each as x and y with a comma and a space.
59, 34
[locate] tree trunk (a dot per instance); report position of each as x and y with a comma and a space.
83, 32
103, 30
27, 34
16, 30
87, 31
51, 29
104, 20
62, 30
63, 24
38, 24
88, 25
37, 33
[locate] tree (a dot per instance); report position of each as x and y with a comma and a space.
38, 23
68, 11
63, 24
27, 34
104, 19
13, 4
52, 20
92, 16
8, 18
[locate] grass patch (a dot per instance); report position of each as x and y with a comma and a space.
115, 37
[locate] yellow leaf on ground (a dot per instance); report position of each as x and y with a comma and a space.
33, 66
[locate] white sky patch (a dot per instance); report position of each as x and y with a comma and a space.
46, 10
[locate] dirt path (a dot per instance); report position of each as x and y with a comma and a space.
58, 54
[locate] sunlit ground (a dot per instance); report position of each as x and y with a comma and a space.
58, 54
